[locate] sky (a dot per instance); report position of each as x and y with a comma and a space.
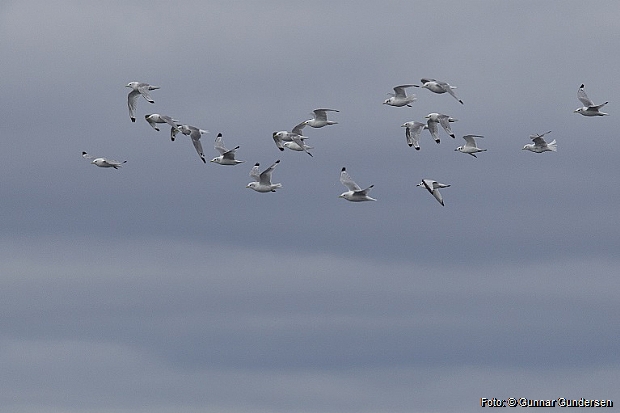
168, 286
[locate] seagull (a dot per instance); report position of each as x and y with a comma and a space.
227, 157
103, 162
589, 108
539, 145
138, 88
470, 147
296, 135
433, 188
262, 181
355, 193
194, 133
438, 86
399, 97
320, 118
294, 146
412, 133
154, 118
443, 120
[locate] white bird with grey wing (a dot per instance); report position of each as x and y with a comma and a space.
439, 118
194, 133
540, 145
470, 146
399, 98
295, 135
433, 187
138, 89
440, 87
320, 118
589, 108
227, 157
355, 193
412, 133
103, 162
262, 180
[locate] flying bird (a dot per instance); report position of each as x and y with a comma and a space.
443, 120
539, 145
138, 88
195, 134
589, 108
438, 86
470, 146
412, 133
433, 187
355, 193
262, 180
103, 162
399, 97
295, 135
154, 118
320, 118
227, 157
294, 146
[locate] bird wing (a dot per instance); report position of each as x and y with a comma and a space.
346, 180
87, 156
399, 91
299, 140
444, 121
432, 128
230, 154
470, 140
132, 98
143, 89
255, 172
265, 176
297, 130
219, 145
581, 95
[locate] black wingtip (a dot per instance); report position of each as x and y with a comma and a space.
582, 86
410, 144
278, 161
343, 169
257, 164
417, 149
219, 135
133, 119
282, 149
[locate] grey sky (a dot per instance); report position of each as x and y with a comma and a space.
167, 286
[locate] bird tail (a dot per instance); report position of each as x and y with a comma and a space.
553, 146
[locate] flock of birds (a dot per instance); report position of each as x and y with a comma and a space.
295, 140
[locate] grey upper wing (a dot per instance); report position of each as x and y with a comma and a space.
346, 180
581, 95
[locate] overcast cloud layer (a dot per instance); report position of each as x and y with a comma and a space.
167, 286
